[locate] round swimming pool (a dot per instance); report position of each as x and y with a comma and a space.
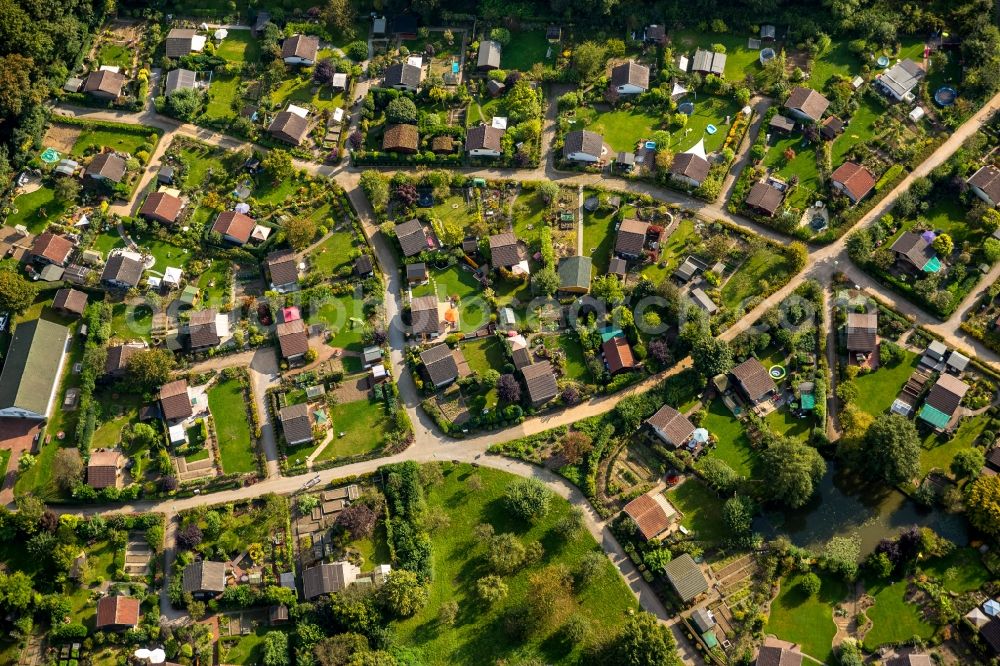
945, 96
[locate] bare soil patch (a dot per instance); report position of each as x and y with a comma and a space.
61, 137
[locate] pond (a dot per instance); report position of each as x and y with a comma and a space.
843, 505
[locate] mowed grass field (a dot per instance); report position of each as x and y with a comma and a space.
808, 621
459, 561
227, 402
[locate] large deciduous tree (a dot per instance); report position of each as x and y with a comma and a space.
149, 368
528, 499
892, 448
643, 641
16, 293
793, 469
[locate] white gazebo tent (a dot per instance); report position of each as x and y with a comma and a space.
678, 91
221, 34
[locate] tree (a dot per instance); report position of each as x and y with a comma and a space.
67, 468
358, 520
892, 448
711, 356
142, 436
338, 16
528, 499
401, 110
811, 584
983, 504
17, 92
402, 594
509, 389
549, 191
189, 537
643, 641
300, 232
149, 368
793, 469
376, 188
275, 652
943, 245
491, 588
323, 72
66, 190
568, 526
737, 513
550, 593
575, 446
588, 60
277, 164
184, 103
545, 281
505, 553
16, 293
967, 463
607, 288
522, 103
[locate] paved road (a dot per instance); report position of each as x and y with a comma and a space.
429, 445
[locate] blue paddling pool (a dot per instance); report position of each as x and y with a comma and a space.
883, 61
454, 67
650, 145
711, 129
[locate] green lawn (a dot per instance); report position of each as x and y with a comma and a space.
239, 46
337, 314
532, 217
623, 129
478, 636
228, 404
333, 253
131, 322
783, 422
300, 91
936, 454
673, 252
214, 284
707, 110
838, 60
248, 649
947, 214
701, 508
163, 253
363, 425
119, 55
893, 619
202, 159
803, 165
733, 447
473, 311
599, 237
482, 110
4, 462
221, 93
36, 210
271, 192
765, 265
485, 354
575, 366
861, 129
526, 47
807, 621
960, 571
123, 138
877, 390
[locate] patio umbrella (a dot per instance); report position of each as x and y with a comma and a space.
700, 435
243, 208
977, 617
142, 653
157, 656
221, 34
992, 608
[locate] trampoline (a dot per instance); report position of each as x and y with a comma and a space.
766, 55
945, 96
687, 108
883, 61
777, 371
711, 129
50, 155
